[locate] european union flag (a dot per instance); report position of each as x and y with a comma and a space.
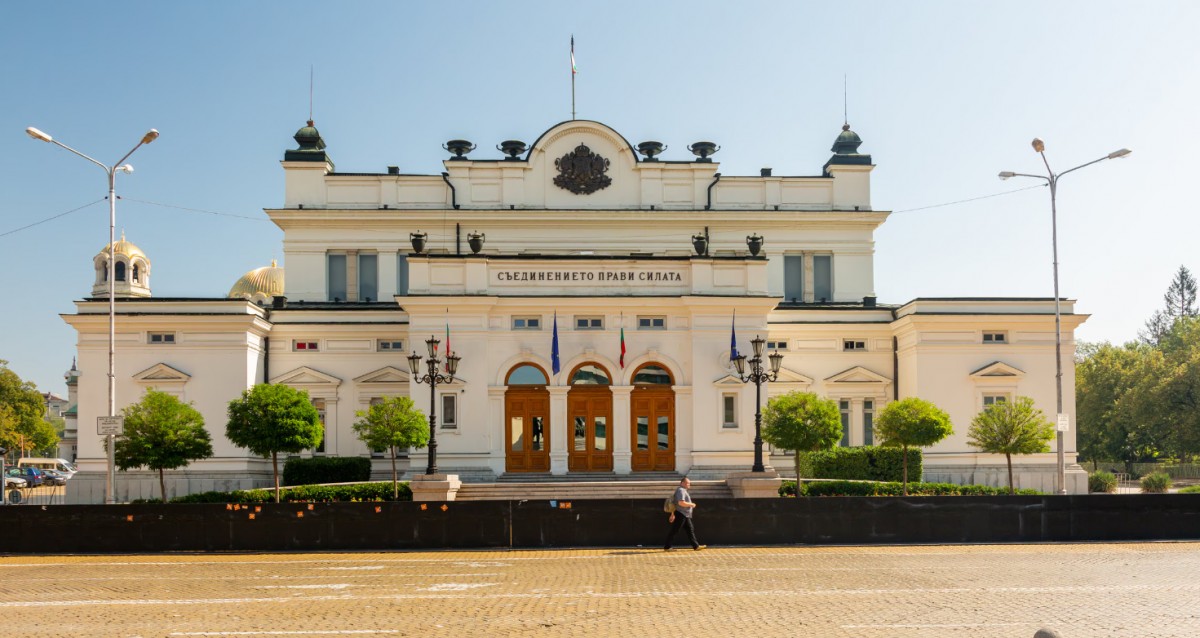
554, 346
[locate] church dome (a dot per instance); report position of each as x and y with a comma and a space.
125, 249
131, 267
259, 285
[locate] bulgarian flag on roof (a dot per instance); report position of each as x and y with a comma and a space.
622, 341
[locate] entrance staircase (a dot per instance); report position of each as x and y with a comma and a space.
583, 486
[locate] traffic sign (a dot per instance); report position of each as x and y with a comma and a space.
110, 425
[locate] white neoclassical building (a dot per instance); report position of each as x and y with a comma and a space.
638, 266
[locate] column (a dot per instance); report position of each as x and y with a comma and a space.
809, 279
621, 435
498, 448
558, 429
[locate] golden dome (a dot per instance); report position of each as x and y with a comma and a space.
125, 248
260, 284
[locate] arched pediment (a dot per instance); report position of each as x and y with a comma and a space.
584, 129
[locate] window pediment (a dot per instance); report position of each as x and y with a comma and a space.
858, 375
997, 370
160, 373
306, 376
386, 374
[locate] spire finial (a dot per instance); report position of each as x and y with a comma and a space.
273, 262
845, 105
310, 94
122, 234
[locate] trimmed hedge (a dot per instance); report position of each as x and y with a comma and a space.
326, 469
862, 488
866, 463
381, 491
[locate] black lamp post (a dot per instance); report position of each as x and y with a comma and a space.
758, 376
433, 378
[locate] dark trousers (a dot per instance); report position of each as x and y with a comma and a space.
686, 523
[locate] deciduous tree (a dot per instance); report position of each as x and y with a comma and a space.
161, 433
268, 419
801, 422
1011, 427
392, 424
911, 422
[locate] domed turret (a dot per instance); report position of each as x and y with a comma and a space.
845, 150
311, 146
260, 285
132, 270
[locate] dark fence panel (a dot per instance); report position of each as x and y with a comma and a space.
594, 523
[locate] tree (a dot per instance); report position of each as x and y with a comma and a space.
22, 426
161, 433
1011, 427
802, 422
269, 419
1115, 414
1178, 302
391, 424
911, 422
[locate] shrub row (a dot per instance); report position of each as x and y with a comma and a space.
326, 469
381, 491
866, 463
1195, 489
860, 488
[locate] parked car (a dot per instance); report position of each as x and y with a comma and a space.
12, 481
33, 476
54, 477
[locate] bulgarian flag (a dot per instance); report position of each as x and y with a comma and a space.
447, 340
574, 70
622, 341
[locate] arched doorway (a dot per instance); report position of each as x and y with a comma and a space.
589, 415
652, 419
527, 420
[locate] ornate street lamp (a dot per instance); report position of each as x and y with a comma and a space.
758, 376
433, 378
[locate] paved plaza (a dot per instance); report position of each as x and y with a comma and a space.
1109, 590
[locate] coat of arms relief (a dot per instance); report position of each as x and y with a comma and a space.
581, 171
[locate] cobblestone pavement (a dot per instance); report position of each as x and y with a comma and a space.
1111, 590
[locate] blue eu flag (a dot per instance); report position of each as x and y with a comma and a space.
554, 346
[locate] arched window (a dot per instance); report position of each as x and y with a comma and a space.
120, 271
590, 374
105, 271
137, 279
652, 375
527, 374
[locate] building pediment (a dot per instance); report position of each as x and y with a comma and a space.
160, 373
728, 380
791, 376
306, 376
997, 369
857, 374
387, 374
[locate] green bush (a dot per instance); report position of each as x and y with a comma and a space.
1103, 482
304, 493
1195, 489
863, 488
326, 469
866, 463
1158, 482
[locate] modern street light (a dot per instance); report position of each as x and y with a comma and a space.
758, 376
1052, 178
151, 135
433, 378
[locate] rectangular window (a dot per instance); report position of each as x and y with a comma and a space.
729, 411
823, 278
390, 345
652, 323
850, 345
449, 417
161, 337
401, 275
868, 422
844, 408
335, 276
527, 323
368, 277
589, 323
793, 278
989, 399
306, 346
995, 337
319, 404
777, 345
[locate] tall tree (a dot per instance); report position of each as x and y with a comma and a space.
911, 422
161, 433
22, 426
802, 422
269, 419
1011, 427
1114, 406
1178, 302
391, 424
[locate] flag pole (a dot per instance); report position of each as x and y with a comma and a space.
572, 76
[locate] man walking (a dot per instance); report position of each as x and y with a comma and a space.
682, 516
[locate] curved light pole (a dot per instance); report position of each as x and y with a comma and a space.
151, 135
758, 376
433, 378
1052, 178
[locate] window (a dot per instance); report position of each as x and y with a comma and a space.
729, 411
335, 270
160, 337
868, 422
589, 323
844, 408
823, 278
777, 345
527, 323
120, 271
995, 337
137, 279
300, 345
449, 412
652, 323
850, 345
319, 404
793, 278
368, 277
989, 399
401, 275
389, 345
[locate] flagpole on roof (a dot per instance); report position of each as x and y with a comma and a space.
573, 76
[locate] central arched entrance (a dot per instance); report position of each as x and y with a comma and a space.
527, 420
652, 420
589, 415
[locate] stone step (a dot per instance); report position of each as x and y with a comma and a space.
586, 490
588, 477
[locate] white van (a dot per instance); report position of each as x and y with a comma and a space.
65, 467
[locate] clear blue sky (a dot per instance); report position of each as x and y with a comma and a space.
944, 94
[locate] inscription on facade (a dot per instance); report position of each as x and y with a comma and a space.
589, 276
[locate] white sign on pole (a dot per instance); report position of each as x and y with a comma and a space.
110, 425
1064, 422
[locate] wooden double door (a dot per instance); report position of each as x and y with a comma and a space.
527, 429
652, 423
589, 417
